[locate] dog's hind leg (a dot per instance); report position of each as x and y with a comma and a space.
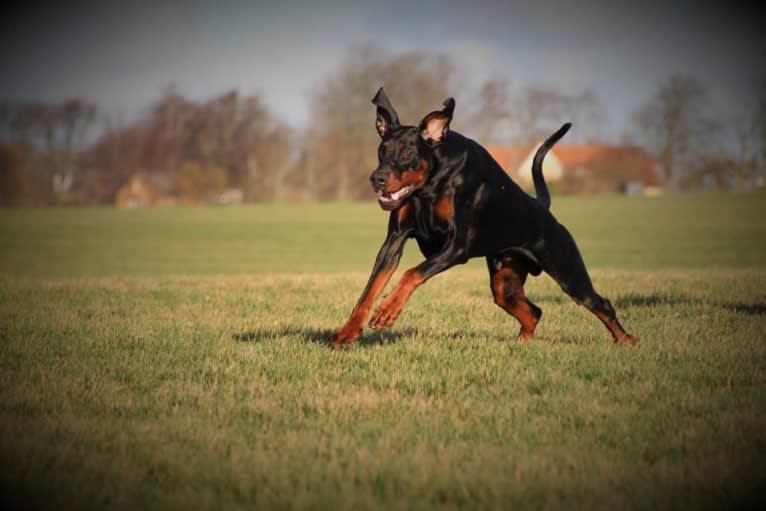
564, 263
506, 280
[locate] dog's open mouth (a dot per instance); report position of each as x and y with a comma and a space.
392, 200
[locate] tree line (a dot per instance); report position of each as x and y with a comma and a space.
201, 148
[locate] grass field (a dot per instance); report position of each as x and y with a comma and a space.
168, 359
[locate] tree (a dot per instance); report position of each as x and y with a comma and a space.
261, 150
759, 121
489, 121
167, 130
533, 113
586, 112
676, 125
108, 163
714, 172
18, 186
234, 139
751, 135
51, 134
537, 111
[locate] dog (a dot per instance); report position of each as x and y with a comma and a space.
447, 192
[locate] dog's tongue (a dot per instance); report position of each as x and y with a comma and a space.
400, 192
388, 198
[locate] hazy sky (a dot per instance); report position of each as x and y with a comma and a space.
121, 55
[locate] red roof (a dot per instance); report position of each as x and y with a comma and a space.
573, 156
509, 157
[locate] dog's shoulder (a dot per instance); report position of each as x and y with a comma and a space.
475, 164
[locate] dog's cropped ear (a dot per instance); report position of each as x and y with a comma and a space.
434, 126
386, 117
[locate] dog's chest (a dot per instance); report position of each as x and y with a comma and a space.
431, 220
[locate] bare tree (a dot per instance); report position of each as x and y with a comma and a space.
488, 123
109, 161
759, 121
236, 140
72, 119
533, 113
17, 185
52, 134
538, 110
676, 126
260, 150
752, 137
586, 112
168, 127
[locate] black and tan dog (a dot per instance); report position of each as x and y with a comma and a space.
447, 192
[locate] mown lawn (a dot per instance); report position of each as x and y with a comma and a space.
167, 359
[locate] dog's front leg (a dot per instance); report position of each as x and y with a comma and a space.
393, 304
385, 265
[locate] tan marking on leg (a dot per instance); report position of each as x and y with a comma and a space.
393, 304
518, 306
353, 326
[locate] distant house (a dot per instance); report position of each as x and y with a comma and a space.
145, 190
229, 197
591, 168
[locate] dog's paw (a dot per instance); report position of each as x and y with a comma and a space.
344, 336
627, 340
385, 316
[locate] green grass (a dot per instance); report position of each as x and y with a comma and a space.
695, 231
167, 359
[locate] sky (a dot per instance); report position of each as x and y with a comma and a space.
122, 55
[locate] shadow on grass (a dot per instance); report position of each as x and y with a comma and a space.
321, 335
654, 300
372, 337
751, 309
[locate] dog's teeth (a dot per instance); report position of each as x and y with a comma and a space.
402, 192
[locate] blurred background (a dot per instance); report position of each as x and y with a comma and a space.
187, 102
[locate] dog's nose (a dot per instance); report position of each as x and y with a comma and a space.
378, 179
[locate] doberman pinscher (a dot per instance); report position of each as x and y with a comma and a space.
447, 192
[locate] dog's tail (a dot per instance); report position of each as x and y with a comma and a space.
541, 190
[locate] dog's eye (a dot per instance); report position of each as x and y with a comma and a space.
407, 155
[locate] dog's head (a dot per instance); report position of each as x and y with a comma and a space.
405, 153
